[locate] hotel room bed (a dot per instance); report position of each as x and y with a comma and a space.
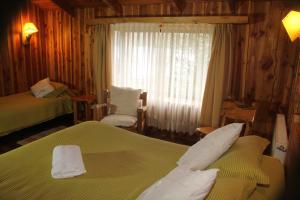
119, 164
23, 110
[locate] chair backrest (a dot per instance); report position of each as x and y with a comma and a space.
143, 97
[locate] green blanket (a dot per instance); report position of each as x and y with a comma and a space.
23, 110
119, 164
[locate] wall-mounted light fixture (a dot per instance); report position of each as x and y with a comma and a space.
28, 30
292, 24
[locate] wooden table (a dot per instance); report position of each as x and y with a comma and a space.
203, 131
86, 101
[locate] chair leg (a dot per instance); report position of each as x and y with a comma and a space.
140, 126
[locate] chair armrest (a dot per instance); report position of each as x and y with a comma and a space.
142, 109
99, 111
102, 105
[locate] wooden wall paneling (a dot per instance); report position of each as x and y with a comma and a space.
41, 43
81, 70
10, 77
256, 52
241, 51
294, 100
69, 52
36, 65
286, 58
21, 66
76, 40
50, 44
80, 29
292, 162
276, 52
88, 55
2, 90
26, 66
264, 39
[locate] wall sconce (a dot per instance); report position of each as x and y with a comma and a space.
291, 24
28, 30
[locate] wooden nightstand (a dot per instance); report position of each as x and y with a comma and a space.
82, 107
203, 131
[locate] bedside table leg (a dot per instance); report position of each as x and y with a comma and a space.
75, 110
87, 112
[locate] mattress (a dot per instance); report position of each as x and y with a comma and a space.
120, 165
23, 110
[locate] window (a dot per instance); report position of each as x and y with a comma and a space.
170, 62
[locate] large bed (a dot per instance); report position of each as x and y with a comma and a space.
23, 110
120, 165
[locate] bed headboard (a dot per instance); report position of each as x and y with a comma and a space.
280, 139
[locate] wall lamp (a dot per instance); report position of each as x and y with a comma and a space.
291, 24
28, 30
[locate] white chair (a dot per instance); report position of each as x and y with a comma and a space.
124, 108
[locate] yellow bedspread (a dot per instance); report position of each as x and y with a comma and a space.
119, 164
274, 169
23, 110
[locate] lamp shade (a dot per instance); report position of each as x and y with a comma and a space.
292, 24
29, 28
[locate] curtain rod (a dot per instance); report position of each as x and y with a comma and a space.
184, 20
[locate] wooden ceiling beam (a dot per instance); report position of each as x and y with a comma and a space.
114, 4
65, 6
180, 4
187, 19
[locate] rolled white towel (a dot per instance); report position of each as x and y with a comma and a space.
67, 162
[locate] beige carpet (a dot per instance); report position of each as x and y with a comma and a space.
40, 135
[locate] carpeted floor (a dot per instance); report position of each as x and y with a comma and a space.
19, 138
40, 135
25, 136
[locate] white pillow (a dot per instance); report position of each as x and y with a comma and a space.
211, 147
124, 100
42, 88
181, 184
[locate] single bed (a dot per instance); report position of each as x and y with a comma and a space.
23, 110
120, 165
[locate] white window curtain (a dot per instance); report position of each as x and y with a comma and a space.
168, 61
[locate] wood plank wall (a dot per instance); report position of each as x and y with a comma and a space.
67, 50
264, 56
21, 66
293, 154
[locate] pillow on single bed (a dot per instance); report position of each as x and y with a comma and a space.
209, 149
42, 88
59, 89
231, 188
181, 184
243, 160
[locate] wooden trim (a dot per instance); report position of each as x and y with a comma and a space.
187, 20
114, 4
180, 4
65, 6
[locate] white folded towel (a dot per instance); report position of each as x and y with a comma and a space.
67, 162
